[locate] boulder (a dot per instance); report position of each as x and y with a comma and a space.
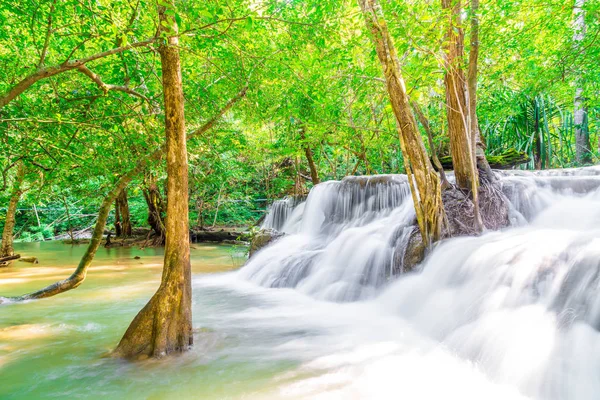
263, 238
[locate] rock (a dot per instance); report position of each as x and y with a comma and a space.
408, 255
32, 260
414, 252
263, 238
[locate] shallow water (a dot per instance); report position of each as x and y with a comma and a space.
253, 342
506, 315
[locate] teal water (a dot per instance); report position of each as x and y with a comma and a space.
55, 348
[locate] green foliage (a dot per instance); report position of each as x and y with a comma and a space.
313, 83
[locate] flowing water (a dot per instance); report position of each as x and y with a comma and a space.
319, 314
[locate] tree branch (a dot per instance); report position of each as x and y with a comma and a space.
105, 87
47, 38
43, 73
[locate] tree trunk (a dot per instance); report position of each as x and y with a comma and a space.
477, 142
9, 223
456, 102
68, 218
164, 325
118, 229
582, 137
80, 272
123, 211
436, 162
457, 110
155, 209
423, 180
314, 172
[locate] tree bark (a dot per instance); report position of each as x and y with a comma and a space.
314, 172
7, 249
477, 142
164, 325
457, 110
155, 209
68, 218
118, 229
122, 210
423, 180
583, 150
436, 162
456, 102
78, 276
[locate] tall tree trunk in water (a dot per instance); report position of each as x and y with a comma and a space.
582, 137
11, 212
314, 173
423, 180
164, 325
477, 141
457, 110
122, 211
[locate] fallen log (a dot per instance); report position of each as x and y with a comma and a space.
10, 258
216, 236
5, 261
508, 159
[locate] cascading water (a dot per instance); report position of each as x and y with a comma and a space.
513, 314
341, 243
279, 213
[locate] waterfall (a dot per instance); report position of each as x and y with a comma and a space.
279, 213
511, 314
348, 238
341, 243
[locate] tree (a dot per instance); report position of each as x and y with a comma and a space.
456, 105
582, 137
462, 120
9, 223
122, 215
424, 182
477, 141
78, 276
164, 325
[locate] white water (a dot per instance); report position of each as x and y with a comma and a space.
507, 315
341, 243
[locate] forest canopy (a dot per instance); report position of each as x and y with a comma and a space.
82, 98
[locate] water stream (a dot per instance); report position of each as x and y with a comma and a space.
319, 315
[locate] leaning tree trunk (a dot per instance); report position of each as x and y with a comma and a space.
582, 137
122, 206
423, 180
9, 223
436, 161
164, 325
78, 276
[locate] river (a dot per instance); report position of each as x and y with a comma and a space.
507, 315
